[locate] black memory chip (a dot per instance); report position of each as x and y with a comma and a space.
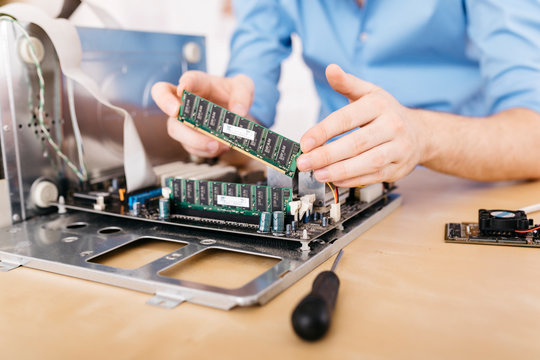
277, 199
295, 149
200, 116
261, 198
270, 144
245, 192
231, 189
254, 144
177, 189
190, 191
229, 119
284, 153
203, 192
216, 190
189, 103
213, 121
242, 123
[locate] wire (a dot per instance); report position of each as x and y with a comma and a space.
75, 125
82, 176
527, 231
531, 208
334, 192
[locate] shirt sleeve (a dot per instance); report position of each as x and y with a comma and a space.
506, 35
259, 44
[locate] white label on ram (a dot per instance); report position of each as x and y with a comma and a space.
233, 201
238, 131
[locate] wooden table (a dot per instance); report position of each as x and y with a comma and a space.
405, 293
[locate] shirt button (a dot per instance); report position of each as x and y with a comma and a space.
364, 36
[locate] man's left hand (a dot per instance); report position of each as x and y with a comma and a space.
386, 144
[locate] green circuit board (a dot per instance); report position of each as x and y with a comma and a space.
240, 133
243, 199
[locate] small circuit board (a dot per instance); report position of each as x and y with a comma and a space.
240, 133
496, 227
233, 198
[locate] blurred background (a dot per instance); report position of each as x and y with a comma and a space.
298, 107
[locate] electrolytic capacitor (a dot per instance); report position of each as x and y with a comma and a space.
294, 225
136, 210
307, 217
265, 221
164, 208
278, 221
288, 229
316, 216
324, 221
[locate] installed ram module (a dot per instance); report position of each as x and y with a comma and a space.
240, 133
233, 198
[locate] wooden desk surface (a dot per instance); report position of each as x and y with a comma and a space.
404, 294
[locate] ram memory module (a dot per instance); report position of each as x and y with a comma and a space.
240, 133
233, 198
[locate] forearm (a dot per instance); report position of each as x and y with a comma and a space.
504, 146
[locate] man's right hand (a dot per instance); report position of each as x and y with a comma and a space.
235, 94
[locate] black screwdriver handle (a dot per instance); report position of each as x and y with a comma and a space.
311, 317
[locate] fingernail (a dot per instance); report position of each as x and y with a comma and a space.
304, 163
308, 144
239, 109
213, 146
322, 175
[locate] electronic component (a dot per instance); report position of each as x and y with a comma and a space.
502, 222
143, 197
164, 208
278, 221
496, 227
369, 193
265, 222
242, 134
242, 199
335, 212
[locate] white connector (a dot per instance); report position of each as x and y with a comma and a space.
371, 192
335, 212
294, 207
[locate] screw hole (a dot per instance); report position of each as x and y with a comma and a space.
109, 230
76, 225
70, 239
208, 242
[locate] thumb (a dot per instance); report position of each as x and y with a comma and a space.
346, 84
241, 94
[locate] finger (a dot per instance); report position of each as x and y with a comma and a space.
366, 163
379, 176
204, 153
204, 85
192, 139
362, 139
164, 94
241, 95
340, 121
347, 84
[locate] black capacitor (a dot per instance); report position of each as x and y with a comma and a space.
294, 225
324, 221
316, 216
307, 217
288, 230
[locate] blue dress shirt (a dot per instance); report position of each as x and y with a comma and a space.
469, 57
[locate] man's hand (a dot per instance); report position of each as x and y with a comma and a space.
234, 93
385, 144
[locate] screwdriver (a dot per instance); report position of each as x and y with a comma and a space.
311, 317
